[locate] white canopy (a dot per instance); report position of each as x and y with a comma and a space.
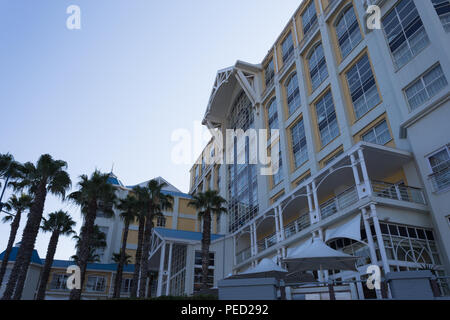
350, 228
317, 256
266, 265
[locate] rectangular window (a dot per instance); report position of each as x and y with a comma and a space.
405, 32
161, 222
96, 284
299, 147
326, 119
287, 48
440, 168
59, 282
442, 8
317, 66
278, 176
293, 94
362, 86
126, 285
426, 87
379, 134
269, 73
309, 18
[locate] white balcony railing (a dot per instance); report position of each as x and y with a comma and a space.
398, 192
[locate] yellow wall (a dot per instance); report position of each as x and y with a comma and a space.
184, 208
186, 224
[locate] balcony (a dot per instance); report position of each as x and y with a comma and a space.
398, 192
341, 201
243, 255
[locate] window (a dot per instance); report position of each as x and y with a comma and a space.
405, 32
126, 285
348, 33
59, 282
96, 284
299, 147
426, 87
287, 48
442, 8
440, 168
198, 270
362, 87
269, 73
272, 114
196, 172
161, 222
293, 94
278, 176
379, 134
309, 18
317, 66
326, 119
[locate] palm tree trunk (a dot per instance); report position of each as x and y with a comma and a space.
12, 237
86, 236
48, 265
118, 285
137, 263
23, 259
145, 254
206, 241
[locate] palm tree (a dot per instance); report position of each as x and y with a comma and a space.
127, 260
47, 176
128, 208
154, 201
207, 203
95, 193
59, 224
18, 205
8, 170
98, 241
141, 213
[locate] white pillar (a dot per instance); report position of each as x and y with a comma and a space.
316, 202
280, 216
310, 205
161, 269
373, 254
255, 237
379, 236
169, 266
252, 241
277, 224
355, 170
234, 250
365, 173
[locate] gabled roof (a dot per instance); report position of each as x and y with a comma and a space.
184, 235
168, 189
93, 266
34, 257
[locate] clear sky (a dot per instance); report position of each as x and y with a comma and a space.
114, 91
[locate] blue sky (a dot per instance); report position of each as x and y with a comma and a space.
114, 91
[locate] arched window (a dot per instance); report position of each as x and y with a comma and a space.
317, 66
347, 30
292, 93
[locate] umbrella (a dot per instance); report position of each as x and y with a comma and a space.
318, 256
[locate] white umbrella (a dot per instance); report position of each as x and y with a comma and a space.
318, 256
267, 268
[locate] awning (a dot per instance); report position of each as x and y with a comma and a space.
319, 256
266, 265
349, 228
294, 251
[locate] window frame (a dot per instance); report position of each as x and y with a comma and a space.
338, 19
291, 129
308, 59
316, 102
295, 97
373, 129
420, 79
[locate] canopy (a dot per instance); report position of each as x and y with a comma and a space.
265, 269
350, 228
319, 256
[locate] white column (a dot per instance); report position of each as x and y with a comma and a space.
316, 202
255, 237
234, 250
364, 171
310, 205
169, 266
161, 269
355, 170
277, 224
373, 254
252, 241
280, 216
379, 236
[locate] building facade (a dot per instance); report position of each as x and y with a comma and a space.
363, 139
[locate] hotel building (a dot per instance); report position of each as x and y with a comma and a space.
363, 139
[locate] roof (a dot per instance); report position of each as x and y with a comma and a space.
93, 266
184, 235
34, 257
114, 180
